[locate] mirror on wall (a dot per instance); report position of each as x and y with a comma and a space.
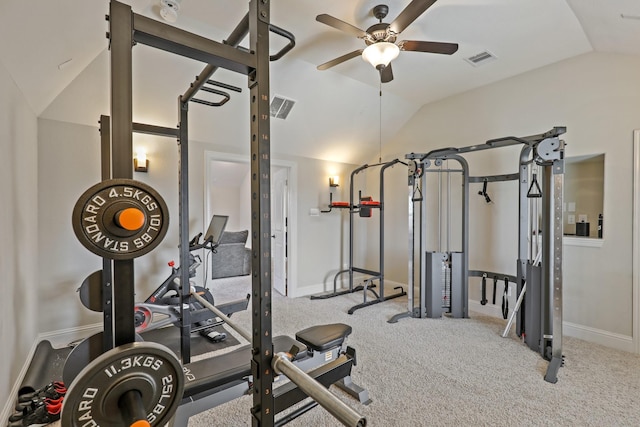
584, 196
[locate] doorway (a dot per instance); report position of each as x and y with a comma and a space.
636, 241
227, 178
279, 218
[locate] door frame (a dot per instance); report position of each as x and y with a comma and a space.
285, 211
292, 203
636, 241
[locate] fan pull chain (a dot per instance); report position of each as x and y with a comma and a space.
380, 126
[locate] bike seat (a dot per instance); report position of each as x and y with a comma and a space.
324, 337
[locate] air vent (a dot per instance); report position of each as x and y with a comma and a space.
481, 58
281, 107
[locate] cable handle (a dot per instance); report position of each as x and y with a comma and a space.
495, 288
535, 192
484, 300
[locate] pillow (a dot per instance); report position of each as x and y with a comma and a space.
234, 237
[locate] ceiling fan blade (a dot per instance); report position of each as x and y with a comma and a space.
410, 14
386, 74
341, 25
340, 59
431, 47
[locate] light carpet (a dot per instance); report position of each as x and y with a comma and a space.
448, 372
455, 372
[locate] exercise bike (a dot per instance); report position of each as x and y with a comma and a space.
162, 307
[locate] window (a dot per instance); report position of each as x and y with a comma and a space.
584, 196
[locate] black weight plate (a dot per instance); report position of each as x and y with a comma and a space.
83, 354
94, 219
149, 368
91, 291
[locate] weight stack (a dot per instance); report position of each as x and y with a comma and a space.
443, 284
434, 278
457, 302
533, 309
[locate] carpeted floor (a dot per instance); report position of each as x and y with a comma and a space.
455, 372
449, 372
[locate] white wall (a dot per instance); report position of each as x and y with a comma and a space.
69, 164
18, 232
321, 246
244, 220
597, 96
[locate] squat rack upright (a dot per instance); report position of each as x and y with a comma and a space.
127, 29
363, 208
203, 83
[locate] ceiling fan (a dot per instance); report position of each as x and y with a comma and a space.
381, 38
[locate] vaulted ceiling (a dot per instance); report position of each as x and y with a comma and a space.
56, 52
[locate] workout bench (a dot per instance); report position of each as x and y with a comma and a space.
322, 353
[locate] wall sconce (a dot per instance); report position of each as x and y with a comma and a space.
140, 162
334, 181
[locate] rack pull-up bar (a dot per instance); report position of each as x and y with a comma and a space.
225, 97
234, 39
224, 85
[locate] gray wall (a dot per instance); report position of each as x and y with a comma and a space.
18, 232
597, 96
69, 164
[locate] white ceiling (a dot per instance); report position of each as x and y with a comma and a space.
336, 116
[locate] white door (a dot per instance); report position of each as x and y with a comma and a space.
279, 203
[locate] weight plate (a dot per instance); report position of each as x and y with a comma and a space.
100, 225
91, 291
82, 354
149, 368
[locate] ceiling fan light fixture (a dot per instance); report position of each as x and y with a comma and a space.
169, 10
380, 54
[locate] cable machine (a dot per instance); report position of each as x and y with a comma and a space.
438, 280
363, 208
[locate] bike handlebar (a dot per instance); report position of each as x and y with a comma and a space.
195, 244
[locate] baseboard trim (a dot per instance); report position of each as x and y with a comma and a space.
63, 337
599, 336
586, 333
59, 338
9, 406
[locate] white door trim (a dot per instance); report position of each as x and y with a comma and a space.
279, 195
636, 241
292, 226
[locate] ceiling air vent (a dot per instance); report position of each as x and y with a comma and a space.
281, 107
481, 58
